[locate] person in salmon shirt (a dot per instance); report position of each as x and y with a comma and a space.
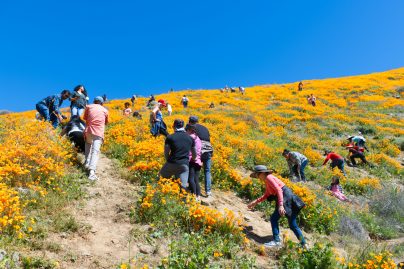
96, 117
287, 204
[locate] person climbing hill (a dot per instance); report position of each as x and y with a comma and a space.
78, 101
195, 165
287, 204
75, 131
297, 162
49, 108
157, 124
96, 117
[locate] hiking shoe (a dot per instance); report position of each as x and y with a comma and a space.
273, 244
209, 194
92, 177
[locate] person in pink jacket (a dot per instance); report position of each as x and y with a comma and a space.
196, 164
96, 117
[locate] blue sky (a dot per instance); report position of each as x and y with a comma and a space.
140, 47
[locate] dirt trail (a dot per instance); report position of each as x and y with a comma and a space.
104, 215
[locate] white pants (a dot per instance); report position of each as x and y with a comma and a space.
92, 151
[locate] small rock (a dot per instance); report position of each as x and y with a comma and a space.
16, 257
3, 254
146, 249
63, 235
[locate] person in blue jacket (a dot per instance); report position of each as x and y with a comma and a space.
49, 107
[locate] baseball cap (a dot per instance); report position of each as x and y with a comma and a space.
99, 99
193, 119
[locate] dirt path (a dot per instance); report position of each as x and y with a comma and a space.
103, 242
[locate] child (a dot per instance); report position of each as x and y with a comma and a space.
127, 111
336, 189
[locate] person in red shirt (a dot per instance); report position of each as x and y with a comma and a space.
336, 160
287, 204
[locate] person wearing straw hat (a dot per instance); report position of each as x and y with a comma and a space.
96, 117
287, 204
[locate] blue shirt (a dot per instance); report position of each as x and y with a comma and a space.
53, 103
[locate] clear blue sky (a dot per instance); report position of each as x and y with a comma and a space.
128, 47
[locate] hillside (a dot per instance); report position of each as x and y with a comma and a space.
50, 216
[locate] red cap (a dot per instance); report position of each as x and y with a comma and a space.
162, 102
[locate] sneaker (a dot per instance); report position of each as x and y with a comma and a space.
86, 166
92, 177
209, 194
273, 244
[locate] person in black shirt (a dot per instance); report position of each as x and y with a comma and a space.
207, 152
74, 130
176, 152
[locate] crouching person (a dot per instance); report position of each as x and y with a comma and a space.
287, 204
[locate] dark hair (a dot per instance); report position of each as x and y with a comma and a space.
178, 123
127, 104
336, 180
285, 152
81, 86
190, 127
65, 92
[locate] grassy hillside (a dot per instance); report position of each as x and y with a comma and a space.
36, 172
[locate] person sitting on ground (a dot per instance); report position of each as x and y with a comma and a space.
96, 117
297, 163
176, 152
336, 160
137, 115
207, 152
287, 204
158, 126
78, 101
184, 101
336, 189
127, 111
75, 131
196, 164
357, 152
49, 108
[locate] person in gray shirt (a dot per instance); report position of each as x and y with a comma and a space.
297, 162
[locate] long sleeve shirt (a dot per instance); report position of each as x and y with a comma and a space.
53, 102
273, 186
332, 156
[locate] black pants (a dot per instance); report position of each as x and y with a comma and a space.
78, 139
358, 155
193, 178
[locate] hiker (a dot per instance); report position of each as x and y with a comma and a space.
176, 152
241, 90
336, 189
196, 164
184, 101
96, 117
127, 111
312, 100
49, 108
212, 105
308, 99
78, 101
151, 99
358, 140
356, 152
207, 152
133, 99
75, 131
158, 126
287, 204
169, 109
232, 89
137, 115
300, 86
297, 163
336, 160
104, 97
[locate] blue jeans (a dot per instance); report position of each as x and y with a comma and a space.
77, 111
292, 225
304, 164
206, 159
47, 115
